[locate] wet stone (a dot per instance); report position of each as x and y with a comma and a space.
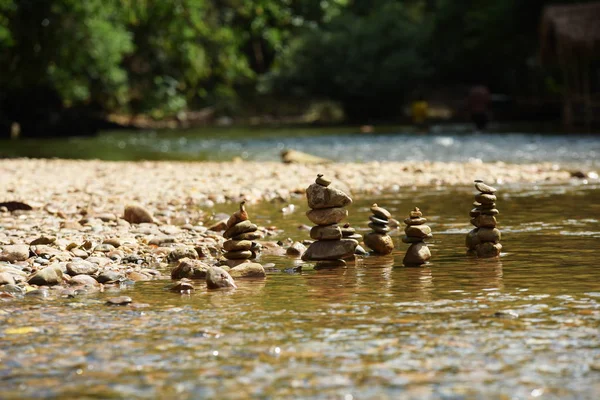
327, 264
296, 249
378, 228
237, 245
489, 235
248, 270
327, 216
409, 239
356, 236
240, 228
419, 231
380, 212
182, 252
379, 221
237, 217
330, 250
484, 221
189, 268
379, 243
248, 236
472, 239
183, 286
326, 232
218, 278
492, 211
417, 253
485, 198
109, 276
488, 250
119, 301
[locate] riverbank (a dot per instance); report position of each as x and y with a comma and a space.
75, 222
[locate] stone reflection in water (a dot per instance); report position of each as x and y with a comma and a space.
485, 274
418, 281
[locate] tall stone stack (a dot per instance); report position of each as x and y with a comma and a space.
484, 240
241, 232
327, 211
416, 232
378, 240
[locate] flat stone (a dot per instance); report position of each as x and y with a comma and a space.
483, 188
14, 252
136, 214
380, 221
489, 235
248, 236
104, 248
319, 196
347, 230
43, 240
322, 181
330, 250
81, 267
476, 212
119, 301
484, 221
77, 252
379, 228
238, 255
379, 243
355, 236
415, 221
409, 239
420, 231
190, 269
218, 278
380, 212
326, 232
472, 240
488, 250
327, 216
359, 250
239, 228
84, 280
48, 276
492, 211
417, 253
248, 270
183, 286
485, 198
237, 245
296, 249
218, 226
415, 213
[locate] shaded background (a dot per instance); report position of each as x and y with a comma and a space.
71, 67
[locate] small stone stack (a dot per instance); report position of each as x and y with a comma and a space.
378, 240
241, 232
484, 240
416, 232
327, 210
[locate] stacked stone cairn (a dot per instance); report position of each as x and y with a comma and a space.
241, 233
415, 233
484, 240
327, 211
378, 240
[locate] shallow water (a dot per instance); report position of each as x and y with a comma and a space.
443, 143
524, 326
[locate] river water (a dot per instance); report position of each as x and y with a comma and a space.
526, 325
443, 143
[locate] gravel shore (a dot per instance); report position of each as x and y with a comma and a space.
74, 230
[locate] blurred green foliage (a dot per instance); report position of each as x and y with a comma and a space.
159, 57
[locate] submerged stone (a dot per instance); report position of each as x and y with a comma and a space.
218, 278
330, 250
417, 253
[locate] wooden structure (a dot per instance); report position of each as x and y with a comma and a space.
570, 37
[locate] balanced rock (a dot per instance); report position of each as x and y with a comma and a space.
326, 232
327, 216
416, 232
378, 240
484, 240
320, 196
241, 232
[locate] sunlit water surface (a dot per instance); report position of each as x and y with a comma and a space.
524, 326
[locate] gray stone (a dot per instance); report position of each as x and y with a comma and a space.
484, 221
319, 196
379, 243
217, 278
296, 249
182, 252
240, 228
110, 276
380, 212
326, 232
483, 188
409, 239
248, 270
327, 216
81, 267
356, 236
417, 253
189, 268
489, 235
136, 214
237, 245
485, 198
378, 228
238, 255
48, 276
322, 181
330, 250
359, 250
420, 231
14, 252
379, 221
